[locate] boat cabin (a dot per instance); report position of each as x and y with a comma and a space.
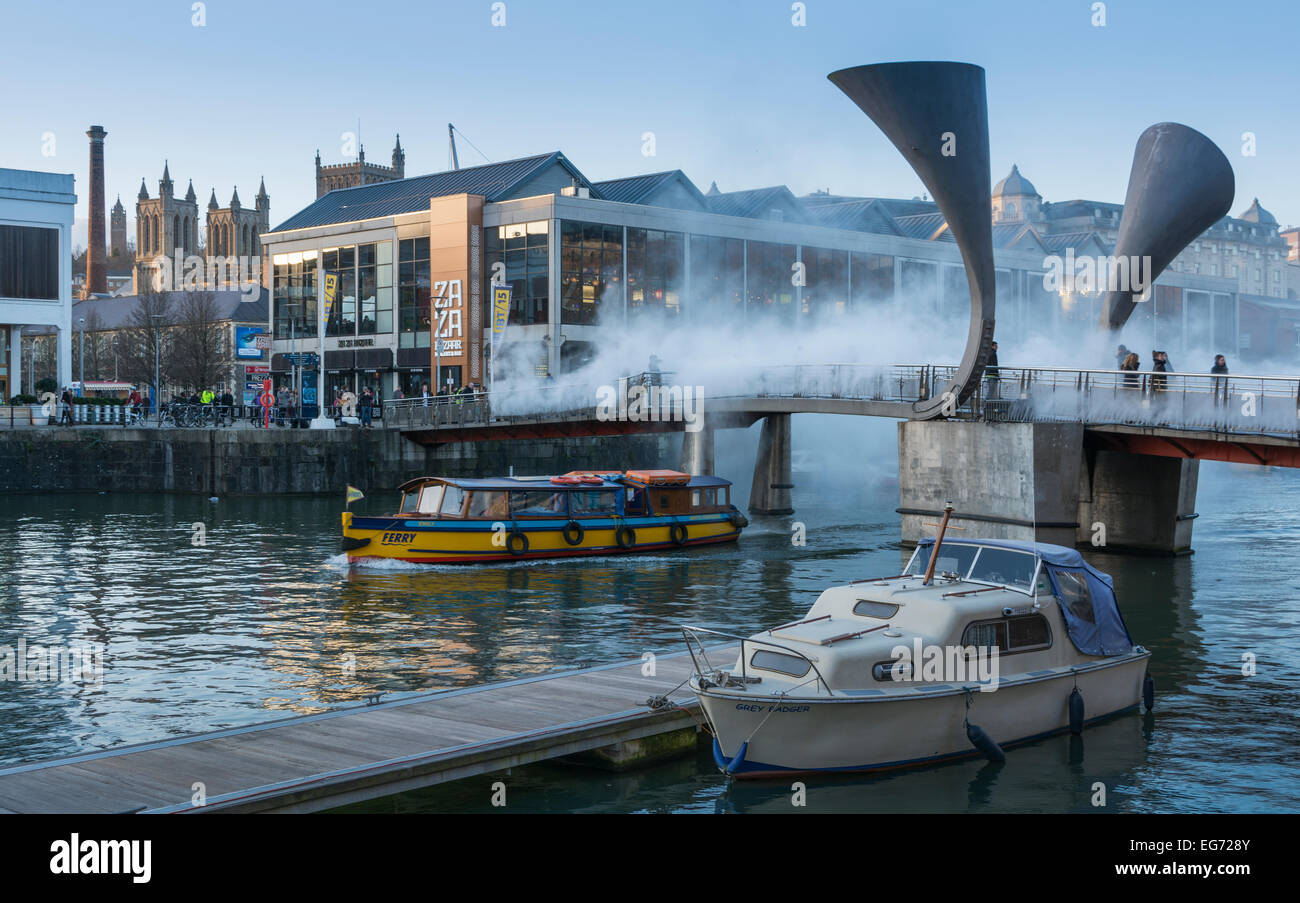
581, 494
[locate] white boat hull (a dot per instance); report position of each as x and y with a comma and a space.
907, 726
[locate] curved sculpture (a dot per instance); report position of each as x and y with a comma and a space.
1180, 185
936, 114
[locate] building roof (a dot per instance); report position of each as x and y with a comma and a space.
863, 215
1059, 241
754, 203
1014, 184
115, 312
927, 226
635, 189
1257, 214
495, 181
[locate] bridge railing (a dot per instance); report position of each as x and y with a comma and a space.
1227, 403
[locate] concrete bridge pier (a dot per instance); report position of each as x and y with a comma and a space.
698, 452
1040, 481
772, 479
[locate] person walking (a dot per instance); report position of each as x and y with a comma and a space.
66, 407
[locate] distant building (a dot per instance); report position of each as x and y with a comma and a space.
359, 172
117, 230
167, 226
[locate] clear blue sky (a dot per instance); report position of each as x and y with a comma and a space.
732, 91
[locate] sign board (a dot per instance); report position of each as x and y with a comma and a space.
331, 288
500, 314
455, 273
307, 359
246, 343
262, 342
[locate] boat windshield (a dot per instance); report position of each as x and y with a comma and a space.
981, 564
953, 559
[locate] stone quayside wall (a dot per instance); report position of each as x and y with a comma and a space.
285, 462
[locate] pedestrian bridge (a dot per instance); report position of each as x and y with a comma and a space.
1057, 454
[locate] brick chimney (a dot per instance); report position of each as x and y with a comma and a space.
96, 263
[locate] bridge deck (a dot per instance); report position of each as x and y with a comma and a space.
321, 761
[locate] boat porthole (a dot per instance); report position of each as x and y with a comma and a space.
573, 533
517, 543
625, 537
677, 533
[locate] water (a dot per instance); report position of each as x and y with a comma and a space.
261, 621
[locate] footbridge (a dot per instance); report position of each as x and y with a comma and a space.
1065, 455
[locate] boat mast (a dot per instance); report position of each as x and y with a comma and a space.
934, 554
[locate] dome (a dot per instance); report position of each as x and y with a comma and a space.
1257, 214
1014, 184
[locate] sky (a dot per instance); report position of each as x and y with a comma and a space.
733, 92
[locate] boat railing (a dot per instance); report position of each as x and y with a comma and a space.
693, 643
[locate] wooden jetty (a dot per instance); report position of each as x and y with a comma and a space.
315, 762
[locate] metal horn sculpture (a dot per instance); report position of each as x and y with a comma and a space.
936, 114
1180, 185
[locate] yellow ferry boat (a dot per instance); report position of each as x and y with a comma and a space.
451, 521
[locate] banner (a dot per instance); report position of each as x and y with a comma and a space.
500, 314
331, 288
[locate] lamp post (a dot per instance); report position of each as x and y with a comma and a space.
81, 387
157, 388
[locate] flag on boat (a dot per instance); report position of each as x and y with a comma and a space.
354, 493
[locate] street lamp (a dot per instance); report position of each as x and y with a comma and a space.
157, 388
81, 389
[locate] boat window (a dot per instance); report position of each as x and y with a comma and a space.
953, 559
697, 498
1075, 595
1027, 632
537, 504
409, 498
869, 609
1022, 633
704, 498
1005, 567
488, 504
593, 501
780, 662
431, 499
453, 501
635, 502
988, 635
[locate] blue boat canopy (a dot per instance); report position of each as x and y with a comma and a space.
1086, 595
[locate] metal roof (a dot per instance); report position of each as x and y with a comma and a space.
495, 181
635, 189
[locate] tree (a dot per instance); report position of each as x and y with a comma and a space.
141, 335
199, 358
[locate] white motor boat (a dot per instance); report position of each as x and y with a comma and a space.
1009, 642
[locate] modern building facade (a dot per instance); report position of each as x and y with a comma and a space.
36, 213
581, 255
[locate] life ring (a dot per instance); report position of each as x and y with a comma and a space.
566, 481
625, 537
677, 533
521, 547
569, 536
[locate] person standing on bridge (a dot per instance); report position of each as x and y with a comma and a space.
992, 374
1121, 355
1131, 365
1159, 364
1220, 368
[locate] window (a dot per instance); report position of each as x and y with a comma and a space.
293, 287
826, 282
596, 501
524, 249
453, 501
409, 499
375, 288
868, 609
537, 504
1023, 633
591, 271
872, 278
655, 263
431, 499
29, 263
413, 293
342, 262
1076, 598
1005, 567
767, 280
780, 662
953, 559
717, 275
488, 504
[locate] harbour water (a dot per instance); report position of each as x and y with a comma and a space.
222, 613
